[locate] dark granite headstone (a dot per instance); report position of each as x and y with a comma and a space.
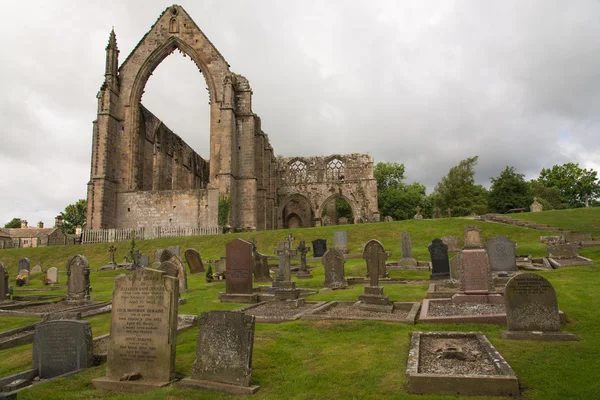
4, 293
531, 304
501, 253
238, 270
440, 264
78, 278
223, 352
62, 346
340, 240
319, 247
194, 261
333, 261
374, 254
24, 263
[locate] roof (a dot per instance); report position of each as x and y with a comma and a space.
30, 232
4, 233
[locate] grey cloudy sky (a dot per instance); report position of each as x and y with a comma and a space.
424, 83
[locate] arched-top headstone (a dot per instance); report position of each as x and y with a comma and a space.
531, 304
333, 262
501, 253
52, 275
36, 269
440, 263
340, 240
24, 263
374, 254
473, 237
78, 278
167, 255
388, 218
194, 261
4, 292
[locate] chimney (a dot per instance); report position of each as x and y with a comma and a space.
40, 224
23, 224
58, 221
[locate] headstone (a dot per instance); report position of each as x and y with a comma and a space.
474, 272
437, 213
24, 273
531, 306
536, 206
145, 260
456, 266
194, 261
4, 293
501, 254
24, 263
52, 275
473, 237
388, 218
260, 268
62, 346
373, 298
223, 353
143, 332
36, 269
319, 247
333, 262
440, 264
78, 279
418, 214
563, 251
407, 258
282, 260
340, 241
552, 239
453, 243
303, 272
169, 269
374, 254
326, 221
239, 267
220, 265
342, 221
175, 250
157, 255
112, 249
167, 255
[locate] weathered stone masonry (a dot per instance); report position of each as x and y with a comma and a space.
143, 174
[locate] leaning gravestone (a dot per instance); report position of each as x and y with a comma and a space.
407, 257
62, 346
24, 263
260, 267
501, 253
223, 353
169, 269
532, 309
4, 292
333, 261
52, 275
238, 272
340, 241
78, 279
319, 247
440, 264
453, 243
375, 259
143, 332
194, 261
167, 255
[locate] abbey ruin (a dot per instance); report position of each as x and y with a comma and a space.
143, 174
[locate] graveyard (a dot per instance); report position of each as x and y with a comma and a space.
313, 355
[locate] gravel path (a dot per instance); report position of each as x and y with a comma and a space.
444, 309
477, 362
278, 309
348, 310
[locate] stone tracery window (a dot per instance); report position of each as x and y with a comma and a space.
335, 170
297, 171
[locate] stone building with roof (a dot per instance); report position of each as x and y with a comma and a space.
38, 236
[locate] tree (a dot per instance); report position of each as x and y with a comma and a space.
458, 190
550, 197
14, 223
578, 187
509, 190
396, 198
74, 215
388, 174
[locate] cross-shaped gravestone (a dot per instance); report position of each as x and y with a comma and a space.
280, 252
288, 254
289, 240
112, 249
302, 249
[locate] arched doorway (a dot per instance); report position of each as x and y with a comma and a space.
337, 209
293, 221
297, 212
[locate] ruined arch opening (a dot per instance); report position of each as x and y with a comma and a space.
297, 212
337, 210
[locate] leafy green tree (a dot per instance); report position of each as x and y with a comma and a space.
458, 190
509, 190
388, 174
550, 197
342, 208
74, 215
396, 198
578, 187
13, 223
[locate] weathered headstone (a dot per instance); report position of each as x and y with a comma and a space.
440, 264
24, 263
375, 258
302, 250
143, 332
501, 254
577, 238
220, 265
238, 272
167, 255
194, 261
145, 260
112, 249
474, 272
169, 269
175, 250
62, 346
563, 251
36, 269
532, 309
407, 259
4, 292
373, 298
333, 262
326, 221
388, 218
536, 206
473, 237
52, 275
260, 268
78, 279
456, 266
223, 353
157, 255
282, 261
453, 243
340, 241
319, 247
418, 214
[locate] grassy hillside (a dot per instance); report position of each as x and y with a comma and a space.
337, 359
575, 220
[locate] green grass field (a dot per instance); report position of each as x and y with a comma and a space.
337, 359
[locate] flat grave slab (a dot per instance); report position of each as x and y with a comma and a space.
345, 310
445, 290
464, 363
570, 262
279, 311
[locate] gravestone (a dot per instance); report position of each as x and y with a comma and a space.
223, 353
326, 221
303, 272
552, 239
194, 261
456, 266
373, 298
536, 206
453, 243
260, 268
145, 260
238, 272
388, 218
62, 346
112, 249
340, 241
4, 292
319, 247
418, 214
474, 272
501, 254
36, 269
157, 255
333, 262
220, 265
375, 258
440, 264
473, 237
175, 250
78, 279
169, 269
532, 309
563, 251
24, 263
168, 255
25, 273
143, 332
52, 275
342, 221
407, 257
281, 262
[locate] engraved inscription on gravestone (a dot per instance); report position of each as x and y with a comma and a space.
239, 267
531, 304
501, 253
